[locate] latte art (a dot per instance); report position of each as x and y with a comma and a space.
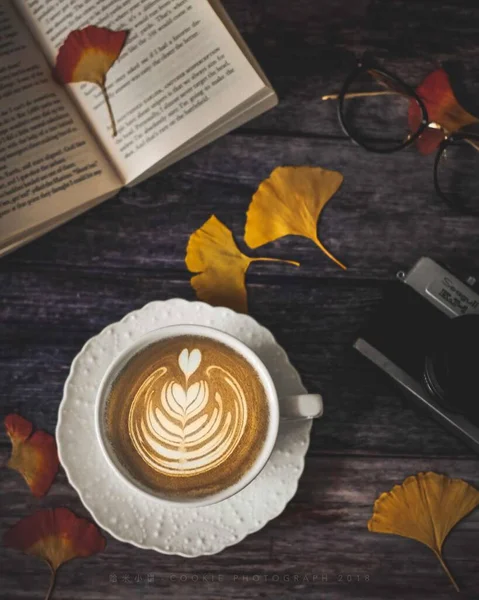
187, 416
182, 429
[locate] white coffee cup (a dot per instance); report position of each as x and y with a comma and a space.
305, 406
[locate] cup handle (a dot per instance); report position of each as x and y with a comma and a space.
303, 406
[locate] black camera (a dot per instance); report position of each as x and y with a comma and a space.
425, 336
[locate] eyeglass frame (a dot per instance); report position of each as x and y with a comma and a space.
365, 64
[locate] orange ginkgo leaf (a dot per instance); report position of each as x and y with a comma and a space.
87, 55
424, 508
221, 267
34, 456
290, 202
443, 110
55, 536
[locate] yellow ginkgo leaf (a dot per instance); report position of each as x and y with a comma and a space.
424, 508
221, 267
290, 202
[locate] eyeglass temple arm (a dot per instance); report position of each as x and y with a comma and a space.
474, 144
362, 94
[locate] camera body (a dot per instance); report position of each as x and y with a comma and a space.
425, 337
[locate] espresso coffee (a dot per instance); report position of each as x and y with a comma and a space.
187, 416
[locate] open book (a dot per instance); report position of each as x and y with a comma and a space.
184, 78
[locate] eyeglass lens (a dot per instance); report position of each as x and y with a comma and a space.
378, 112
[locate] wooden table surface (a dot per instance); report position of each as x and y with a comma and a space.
61, 290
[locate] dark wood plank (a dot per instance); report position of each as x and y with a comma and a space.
316, 322
322, 534
385, 216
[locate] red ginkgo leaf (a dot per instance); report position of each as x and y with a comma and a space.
55, 536
34, 456
443, 110
87, 55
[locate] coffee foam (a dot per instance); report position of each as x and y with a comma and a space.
187, 416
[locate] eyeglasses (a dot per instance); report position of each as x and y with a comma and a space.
381, 113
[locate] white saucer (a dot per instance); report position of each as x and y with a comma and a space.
129, 515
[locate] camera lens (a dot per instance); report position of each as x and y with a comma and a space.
451, 370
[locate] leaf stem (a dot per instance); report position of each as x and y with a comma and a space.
282, 260
52, 583
110, 111
448, 573
328, 254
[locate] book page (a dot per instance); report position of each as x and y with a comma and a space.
49, 162
179, 72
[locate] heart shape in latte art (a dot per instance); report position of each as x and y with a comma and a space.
189, 361
183, 429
